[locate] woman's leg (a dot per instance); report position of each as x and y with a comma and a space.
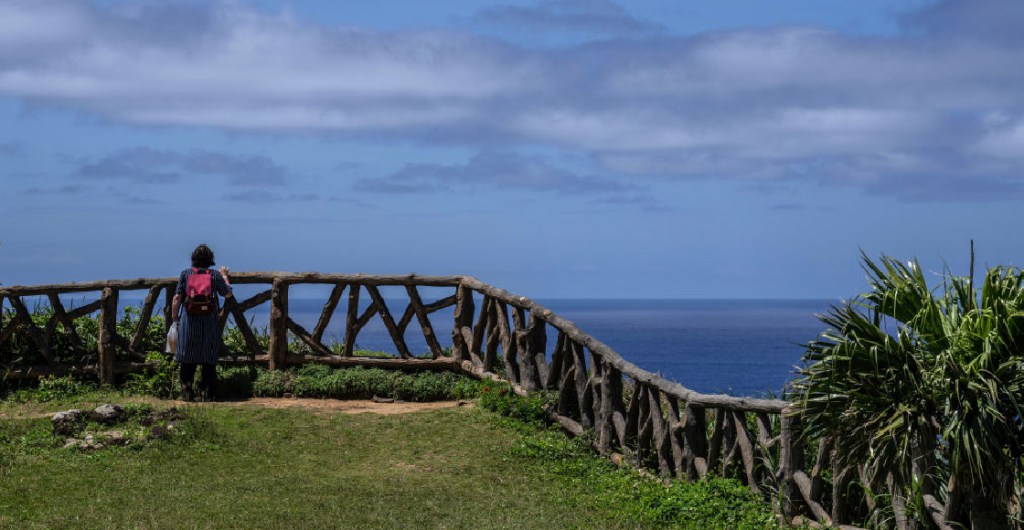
208, 382
188, 374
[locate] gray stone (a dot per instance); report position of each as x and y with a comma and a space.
68, 422
107, 414
115, 438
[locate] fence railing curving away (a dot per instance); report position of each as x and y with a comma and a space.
634, 415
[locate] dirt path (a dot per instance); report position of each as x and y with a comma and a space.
354, 406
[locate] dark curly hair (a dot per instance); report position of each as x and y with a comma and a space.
202, 257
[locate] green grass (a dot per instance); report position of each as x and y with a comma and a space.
245, 467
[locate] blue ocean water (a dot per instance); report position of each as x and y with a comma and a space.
738, 347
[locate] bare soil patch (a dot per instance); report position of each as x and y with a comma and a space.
354, 406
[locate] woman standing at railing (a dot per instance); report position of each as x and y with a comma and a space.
199, 337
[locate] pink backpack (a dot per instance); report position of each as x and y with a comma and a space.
199, 298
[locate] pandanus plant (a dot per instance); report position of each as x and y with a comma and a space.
922, 390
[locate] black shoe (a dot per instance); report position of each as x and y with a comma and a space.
186, 393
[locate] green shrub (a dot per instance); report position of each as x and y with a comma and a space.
236, 381
161, 381
499, 397
272, 383
53, 388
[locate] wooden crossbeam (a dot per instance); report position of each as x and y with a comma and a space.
477, 340
352, 319
493, 339
307, 338
61, 315
746, 450
34, 332
438, 305
327, 312
255, 300
557, 362
144, 318
86, 309
389, 322
661, 444
508, 346
422, 316
251, 343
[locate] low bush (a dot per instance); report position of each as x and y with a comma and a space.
499, 397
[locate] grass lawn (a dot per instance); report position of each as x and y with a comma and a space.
249, 467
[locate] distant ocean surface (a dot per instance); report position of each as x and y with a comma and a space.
737, 347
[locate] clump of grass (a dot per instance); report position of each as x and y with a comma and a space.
320, 381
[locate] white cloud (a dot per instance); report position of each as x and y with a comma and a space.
893, 114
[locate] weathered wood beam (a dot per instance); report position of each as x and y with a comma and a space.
107, 333
237, 278
746, 450
627, 368
632, 426
351, 319
168, 307
695, 434
327, 312
42, 370
791, 461
715, 450
508, 346
537, 346
422, 316
580, 369
389, 322
662, 444
144, 317
255, 300
611, 382
445, 363
462, 331
34, 332
476, 343
494, 340
403, 323
675, 434
66, 321
86, 309
438, 305
803, 483
307, 337
568, 403
243, 326
278, 349
557, 363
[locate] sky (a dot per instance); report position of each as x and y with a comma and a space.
555, 148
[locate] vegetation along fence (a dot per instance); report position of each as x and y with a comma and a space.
633, 415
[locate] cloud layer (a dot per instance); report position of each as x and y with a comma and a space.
934, 113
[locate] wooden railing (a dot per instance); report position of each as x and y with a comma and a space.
634, 415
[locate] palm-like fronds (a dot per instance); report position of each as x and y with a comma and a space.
917, 384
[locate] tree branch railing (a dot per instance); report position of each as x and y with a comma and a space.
634, 415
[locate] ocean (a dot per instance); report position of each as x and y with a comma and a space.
737, 347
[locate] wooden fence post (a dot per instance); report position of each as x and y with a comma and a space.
278, 325
791, 460
105, 341
463, 323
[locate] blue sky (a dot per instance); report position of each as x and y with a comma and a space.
557, 148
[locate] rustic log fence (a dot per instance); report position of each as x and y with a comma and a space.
633, 415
